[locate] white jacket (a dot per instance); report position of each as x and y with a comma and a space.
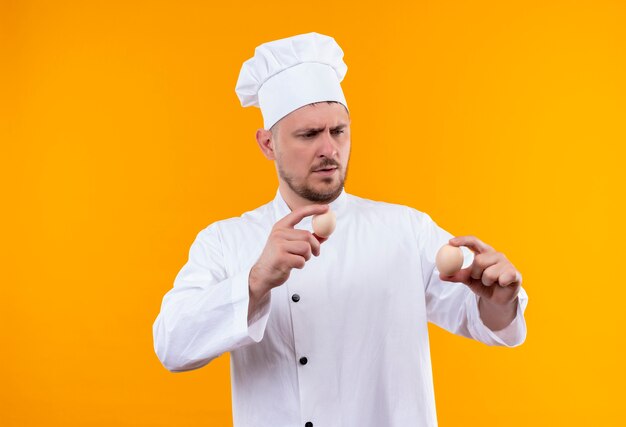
352, 348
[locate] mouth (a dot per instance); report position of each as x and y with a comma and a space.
325, 171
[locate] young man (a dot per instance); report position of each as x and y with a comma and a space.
326, 332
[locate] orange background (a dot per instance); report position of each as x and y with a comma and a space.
121, 138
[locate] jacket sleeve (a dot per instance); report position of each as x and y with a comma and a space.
453, 306
206, 312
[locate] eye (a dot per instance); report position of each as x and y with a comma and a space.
337, 132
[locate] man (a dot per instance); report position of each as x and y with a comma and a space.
326, 332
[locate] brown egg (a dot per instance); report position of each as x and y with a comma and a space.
449, 259
324, 224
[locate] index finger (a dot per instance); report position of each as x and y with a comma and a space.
472, 242
298, 214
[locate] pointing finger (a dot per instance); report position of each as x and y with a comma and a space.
472, 242
298, 214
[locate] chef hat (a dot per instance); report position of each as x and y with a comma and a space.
286, 74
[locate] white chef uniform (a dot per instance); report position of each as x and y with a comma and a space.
344, 342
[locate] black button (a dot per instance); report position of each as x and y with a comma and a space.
308, 424
303, 361
295, 297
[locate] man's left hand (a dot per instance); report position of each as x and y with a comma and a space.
491, 276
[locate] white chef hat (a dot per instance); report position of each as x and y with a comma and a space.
286, 74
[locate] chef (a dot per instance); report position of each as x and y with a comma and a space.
326, 332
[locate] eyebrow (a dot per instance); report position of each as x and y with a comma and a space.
318, 130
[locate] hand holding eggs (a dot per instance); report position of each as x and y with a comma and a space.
449, 259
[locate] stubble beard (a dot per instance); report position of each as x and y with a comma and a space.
305, 191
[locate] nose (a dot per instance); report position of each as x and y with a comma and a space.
328, 146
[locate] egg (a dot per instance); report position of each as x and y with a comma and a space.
449, 259
324, 224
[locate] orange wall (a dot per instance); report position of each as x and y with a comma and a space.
121, 138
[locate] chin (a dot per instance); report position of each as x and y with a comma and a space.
327, 186
322, 190
329, 191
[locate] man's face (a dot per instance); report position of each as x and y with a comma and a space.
312, 148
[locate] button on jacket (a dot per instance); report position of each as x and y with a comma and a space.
342, 343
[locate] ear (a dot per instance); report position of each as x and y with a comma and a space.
266, 143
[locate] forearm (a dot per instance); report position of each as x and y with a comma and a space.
194, 327
191, 329
258, 296
497, 317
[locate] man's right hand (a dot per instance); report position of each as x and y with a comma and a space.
286, 248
